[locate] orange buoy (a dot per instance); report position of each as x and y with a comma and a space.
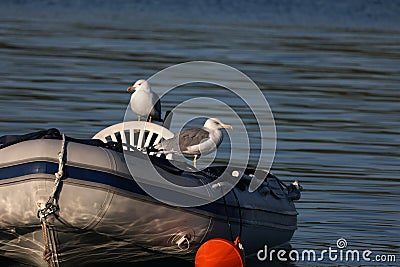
219, 252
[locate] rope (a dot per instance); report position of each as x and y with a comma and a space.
47, 253
228, 221
59, 175
237, 240
240, 212
51, 206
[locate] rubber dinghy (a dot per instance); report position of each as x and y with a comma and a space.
93, 211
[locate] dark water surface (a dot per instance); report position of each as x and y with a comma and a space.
331, 74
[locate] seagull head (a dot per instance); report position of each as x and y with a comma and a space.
139, 85
214, 124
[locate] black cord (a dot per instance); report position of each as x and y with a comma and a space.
210, 175
227, 218
240, 213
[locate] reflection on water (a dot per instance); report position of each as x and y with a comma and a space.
334, 92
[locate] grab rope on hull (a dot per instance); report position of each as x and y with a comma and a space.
51, 205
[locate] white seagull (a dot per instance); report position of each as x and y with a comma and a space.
144, 102
195, 141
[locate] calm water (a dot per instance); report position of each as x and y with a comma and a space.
331, 75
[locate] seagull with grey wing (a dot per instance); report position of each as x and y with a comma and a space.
195, 141
144, 102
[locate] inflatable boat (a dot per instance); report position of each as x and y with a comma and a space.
77, 202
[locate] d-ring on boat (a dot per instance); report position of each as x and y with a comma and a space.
77, 202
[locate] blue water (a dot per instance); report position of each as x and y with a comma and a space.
330, 71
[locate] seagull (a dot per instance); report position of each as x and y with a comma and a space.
195, 141
144, 102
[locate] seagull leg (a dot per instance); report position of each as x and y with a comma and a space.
150, 119
194, 161
138, 118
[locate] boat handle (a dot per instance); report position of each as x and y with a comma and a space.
182, 240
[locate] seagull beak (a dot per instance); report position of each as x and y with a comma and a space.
227, 126
131, 88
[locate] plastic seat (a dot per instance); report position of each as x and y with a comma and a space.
134, 134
